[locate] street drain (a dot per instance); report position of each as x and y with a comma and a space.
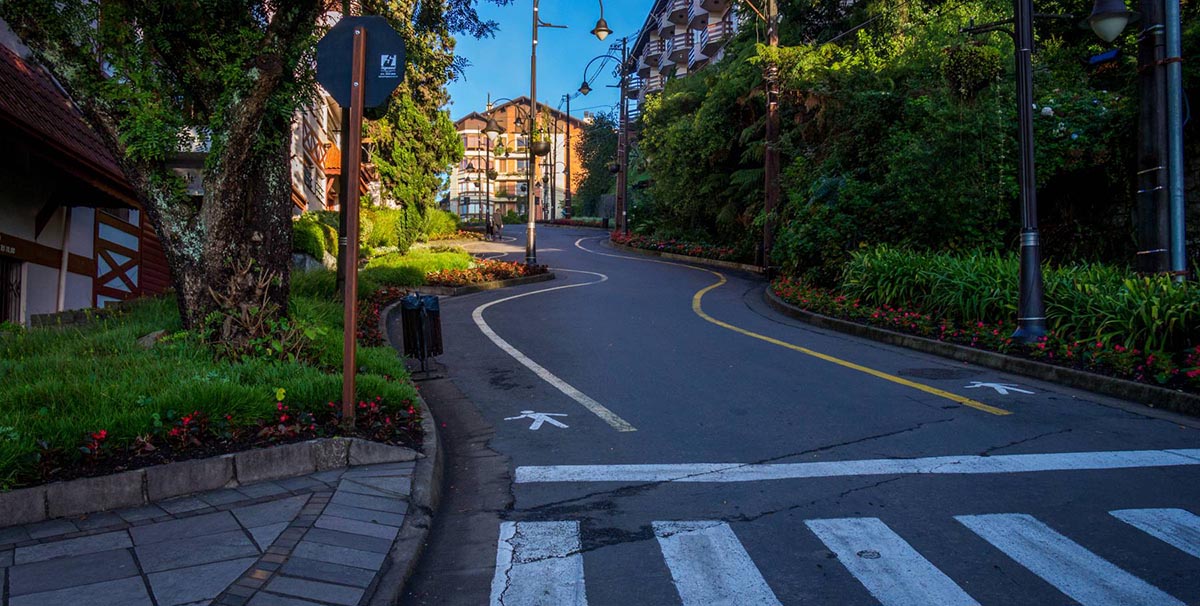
868, 554
938, 373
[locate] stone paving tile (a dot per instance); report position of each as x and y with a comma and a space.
129, 591
174, 530
267, 599
264, 514
343, 539
301, 484
366, 515
317, 590
366, 529
339, 555
6, 559
265, 535
137, 514
13, 535
329, 477
261, 489
328, 571
182, 505
356, 488
50, 528
68, 572
389, 484
168, 555
224, 496
391, 505
385, 469
196, 583
95, 521
73, 547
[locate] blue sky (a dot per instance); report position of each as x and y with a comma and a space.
500, 65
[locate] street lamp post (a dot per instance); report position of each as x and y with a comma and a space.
601, 31
567, 201
623, 133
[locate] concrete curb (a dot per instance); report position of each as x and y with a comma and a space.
1149, 395
454, 291
754, 269
152, 484
424, 499
599, 227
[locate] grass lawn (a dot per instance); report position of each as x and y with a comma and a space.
60, 385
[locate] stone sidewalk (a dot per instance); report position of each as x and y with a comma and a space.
320, 539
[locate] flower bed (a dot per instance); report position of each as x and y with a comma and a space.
461, 234
1100, 355
679, 247
484, 270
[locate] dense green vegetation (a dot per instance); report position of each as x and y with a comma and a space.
901, 132
597, 148
386, 229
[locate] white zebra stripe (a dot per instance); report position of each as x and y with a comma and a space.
1068, 566
710, 567
539, 564
887, 565
1177, 527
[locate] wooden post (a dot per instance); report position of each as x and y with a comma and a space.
351, 169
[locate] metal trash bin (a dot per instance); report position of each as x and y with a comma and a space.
604, 222
421, 317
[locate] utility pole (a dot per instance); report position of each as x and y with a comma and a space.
771, 155
343, 185
567, 201
623, 147
1152, 219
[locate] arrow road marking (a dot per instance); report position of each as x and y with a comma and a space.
1001, 388
539, 418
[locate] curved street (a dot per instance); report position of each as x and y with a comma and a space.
643, 432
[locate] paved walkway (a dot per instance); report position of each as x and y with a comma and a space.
320, 539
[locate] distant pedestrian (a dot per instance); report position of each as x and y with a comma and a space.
498, 219
491, 229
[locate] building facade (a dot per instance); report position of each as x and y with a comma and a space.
72, 234
472, 193
679, 37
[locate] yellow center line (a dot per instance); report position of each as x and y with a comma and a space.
698, 308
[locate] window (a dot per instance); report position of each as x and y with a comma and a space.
10, 290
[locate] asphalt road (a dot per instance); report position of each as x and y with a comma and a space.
715, 452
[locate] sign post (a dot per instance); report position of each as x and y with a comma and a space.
376, 67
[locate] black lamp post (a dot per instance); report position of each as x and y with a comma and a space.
622, 164
601, 31
492, 130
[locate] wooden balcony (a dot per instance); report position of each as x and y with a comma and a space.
666, 27
644, 67
696, 59
677, 11
668, 49
654, 49
654, 84
718, 8
714, 37
697, 15
681, 47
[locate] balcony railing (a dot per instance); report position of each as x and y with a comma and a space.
666, 27
697, 15
696, 58
668, 49
677, 11
681, 46
714, 36
654, 50
654, 84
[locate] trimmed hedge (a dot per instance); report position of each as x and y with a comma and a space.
312, 236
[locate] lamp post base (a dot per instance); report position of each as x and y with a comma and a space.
1031, 308
530, 245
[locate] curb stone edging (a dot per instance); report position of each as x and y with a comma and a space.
454, 291
1148, 395
754, 269
424, 498
152, 484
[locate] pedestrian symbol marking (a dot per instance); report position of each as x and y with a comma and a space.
1001, 388
539, 418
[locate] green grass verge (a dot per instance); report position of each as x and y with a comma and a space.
59, 384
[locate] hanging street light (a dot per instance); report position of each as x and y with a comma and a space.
1109, 18
585, 88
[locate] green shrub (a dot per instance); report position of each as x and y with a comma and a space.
512, 218
438, 222
312, 236
1088, 301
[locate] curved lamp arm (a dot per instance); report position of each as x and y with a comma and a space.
586, 87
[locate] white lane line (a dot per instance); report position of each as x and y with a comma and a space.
886, 564
539, 564
710, 567
1084, 576
1177, 527
966, 464
587, 402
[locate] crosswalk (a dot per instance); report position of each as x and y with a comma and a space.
541, 563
